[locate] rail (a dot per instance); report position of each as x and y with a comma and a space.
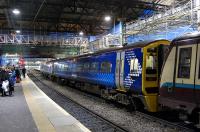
99, 123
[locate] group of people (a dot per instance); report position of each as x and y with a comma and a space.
8, 78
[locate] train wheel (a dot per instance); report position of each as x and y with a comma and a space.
183, 115
136, 104
194, 117
58, 80
131, 106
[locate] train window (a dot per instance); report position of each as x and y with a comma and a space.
62, 66
106, 67
184, 62
79, 67
134, 65
152, 50
66, 67
86, 67
94, 67
151, 64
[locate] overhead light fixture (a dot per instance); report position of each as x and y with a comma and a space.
107, 18
16, 11
18, 31
81, 33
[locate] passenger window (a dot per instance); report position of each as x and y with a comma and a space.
62, 67
184, 62
151, 64
79, 67
134, 65
66, 67
106, 67
86, 67
94, 67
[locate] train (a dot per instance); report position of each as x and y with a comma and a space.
180, 77
128, 75
147, 75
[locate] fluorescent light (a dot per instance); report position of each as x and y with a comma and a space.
18, 31
16, 12
81, 33
107, 18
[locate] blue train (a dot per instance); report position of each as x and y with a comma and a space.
129, 75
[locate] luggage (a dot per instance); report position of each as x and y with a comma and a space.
18, 80
5, 85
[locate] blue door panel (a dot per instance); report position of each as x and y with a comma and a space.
133, 81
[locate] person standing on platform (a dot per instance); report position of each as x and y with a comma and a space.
18, 75
24, 72
12, 80
3, 77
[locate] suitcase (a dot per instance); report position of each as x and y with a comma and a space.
18, 80
5, 85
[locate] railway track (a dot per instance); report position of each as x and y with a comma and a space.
107, 125
165, 123
89, 118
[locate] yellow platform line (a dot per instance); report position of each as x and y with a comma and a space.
41, 121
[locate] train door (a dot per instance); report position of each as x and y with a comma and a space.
119, 71
185, 71
197, 77
150, 72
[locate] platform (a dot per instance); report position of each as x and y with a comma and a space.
30, 110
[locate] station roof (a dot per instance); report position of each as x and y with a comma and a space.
73, 15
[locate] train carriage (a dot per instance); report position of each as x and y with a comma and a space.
62, 68
180, 78
98, 69
46, 68
129, 75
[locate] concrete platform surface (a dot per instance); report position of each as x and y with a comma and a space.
14, 113
30, 110
47, 115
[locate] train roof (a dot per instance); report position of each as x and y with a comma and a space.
187, 37
140, 44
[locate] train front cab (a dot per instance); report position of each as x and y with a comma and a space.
180, 79
145, 85
153, 55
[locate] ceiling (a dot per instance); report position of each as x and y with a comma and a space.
43, 16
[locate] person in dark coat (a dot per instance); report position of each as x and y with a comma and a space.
18, 74
4, 75
24, 72
1, 71
12, 81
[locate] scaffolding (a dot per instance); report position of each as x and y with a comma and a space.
43, 40
174, 22
106, 41
113, 38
